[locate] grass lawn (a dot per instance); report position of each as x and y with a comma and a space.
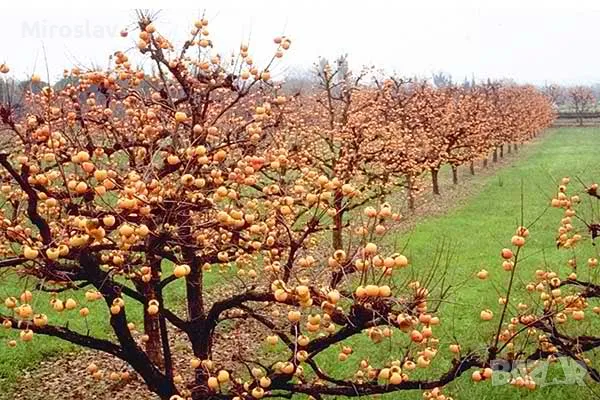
475, 232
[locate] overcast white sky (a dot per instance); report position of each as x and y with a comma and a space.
530, 41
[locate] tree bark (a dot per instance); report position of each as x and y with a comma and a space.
516, 147
434, 181
502, 151
151, 325
472, 167
164, 338
201, 340
152, 328
156, 268
495, 156
338, 221
194, 287
455, 174
485, 162
508, 148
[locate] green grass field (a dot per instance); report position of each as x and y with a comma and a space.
475, 233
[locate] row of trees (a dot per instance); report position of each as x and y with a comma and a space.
384, 132
121, 183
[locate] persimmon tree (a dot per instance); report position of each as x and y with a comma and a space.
537, 114
555, 93
419, 118
452, 124
341, 129
401, 100
582, 100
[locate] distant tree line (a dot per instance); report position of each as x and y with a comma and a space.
580, 100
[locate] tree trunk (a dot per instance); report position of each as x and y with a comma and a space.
485, 162
201, 345
152, 330
502, 151
130, 351
516, 147
164, 339
202, 337
194, 286
455, 174
338, 221
152, 346
508, 148
472, 167
495, 156
434, 181
410, 192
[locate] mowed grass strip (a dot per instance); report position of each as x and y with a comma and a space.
472, 236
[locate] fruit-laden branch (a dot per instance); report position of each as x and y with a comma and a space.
236, 301
32, 198
589, 289
567, 344
12, 262
68, 335
372, 388
69, 286
572, 347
